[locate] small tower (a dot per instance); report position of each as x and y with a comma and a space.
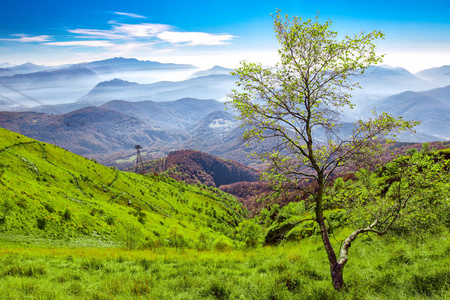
139, 164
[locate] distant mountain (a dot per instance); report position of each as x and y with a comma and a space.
199, 167
221, 135
442, 94
51, 78
49, 87
441, 75
28, 68
212, 131
144, 72
216, 70
89, 130
205, 87
115, 126
6, 72
5, 65
431, 107
120, 64
384, 80
180, 113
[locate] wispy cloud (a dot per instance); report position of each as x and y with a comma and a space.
143, 30
24, 38
146, 32
130, 15
82, 43
123, 31
126, 38
195, 38
98, 34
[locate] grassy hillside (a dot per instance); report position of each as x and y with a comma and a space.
62, 217
49, 193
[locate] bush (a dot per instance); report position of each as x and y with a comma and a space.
110, 220
250, 233
41, 222
176, 239
5, 207
222, 244
67, 215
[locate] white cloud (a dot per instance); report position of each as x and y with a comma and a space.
141, 30
23, 38
195, 38
123, 31
130, 15
96, 33
82, 43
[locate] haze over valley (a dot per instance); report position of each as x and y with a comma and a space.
92, 109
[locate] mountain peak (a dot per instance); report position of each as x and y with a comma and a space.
116, 82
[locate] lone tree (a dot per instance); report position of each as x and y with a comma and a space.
298, 104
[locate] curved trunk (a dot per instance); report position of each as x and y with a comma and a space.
337, 276
336, 269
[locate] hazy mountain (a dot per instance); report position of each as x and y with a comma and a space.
28, 68
211, 130
49, 87
442, 94
379, 82
205, 87
144, 72
6, 65
431, 107
180, 113
115, 126
120, 64
440, 76
89, 130
220, 134
216, 70
6, 72
389, 80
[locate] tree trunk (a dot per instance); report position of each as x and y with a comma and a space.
337, 276
336, 269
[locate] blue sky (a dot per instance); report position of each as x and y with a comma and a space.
206, 33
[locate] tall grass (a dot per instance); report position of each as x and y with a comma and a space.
385, 268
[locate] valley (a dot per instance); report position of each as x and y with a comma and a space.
199, 223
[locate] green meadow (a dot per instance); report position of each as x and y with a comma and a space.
73, 229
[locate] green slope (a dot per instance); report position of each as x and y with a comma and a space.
49, 193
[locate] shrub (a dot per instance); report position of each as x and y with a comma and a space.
67, 215
250, 233
222, 244
110, 220
41, 222
49, 207
5, 207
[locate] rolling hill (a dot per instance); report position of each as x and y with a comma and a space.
49, 193
199, 167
